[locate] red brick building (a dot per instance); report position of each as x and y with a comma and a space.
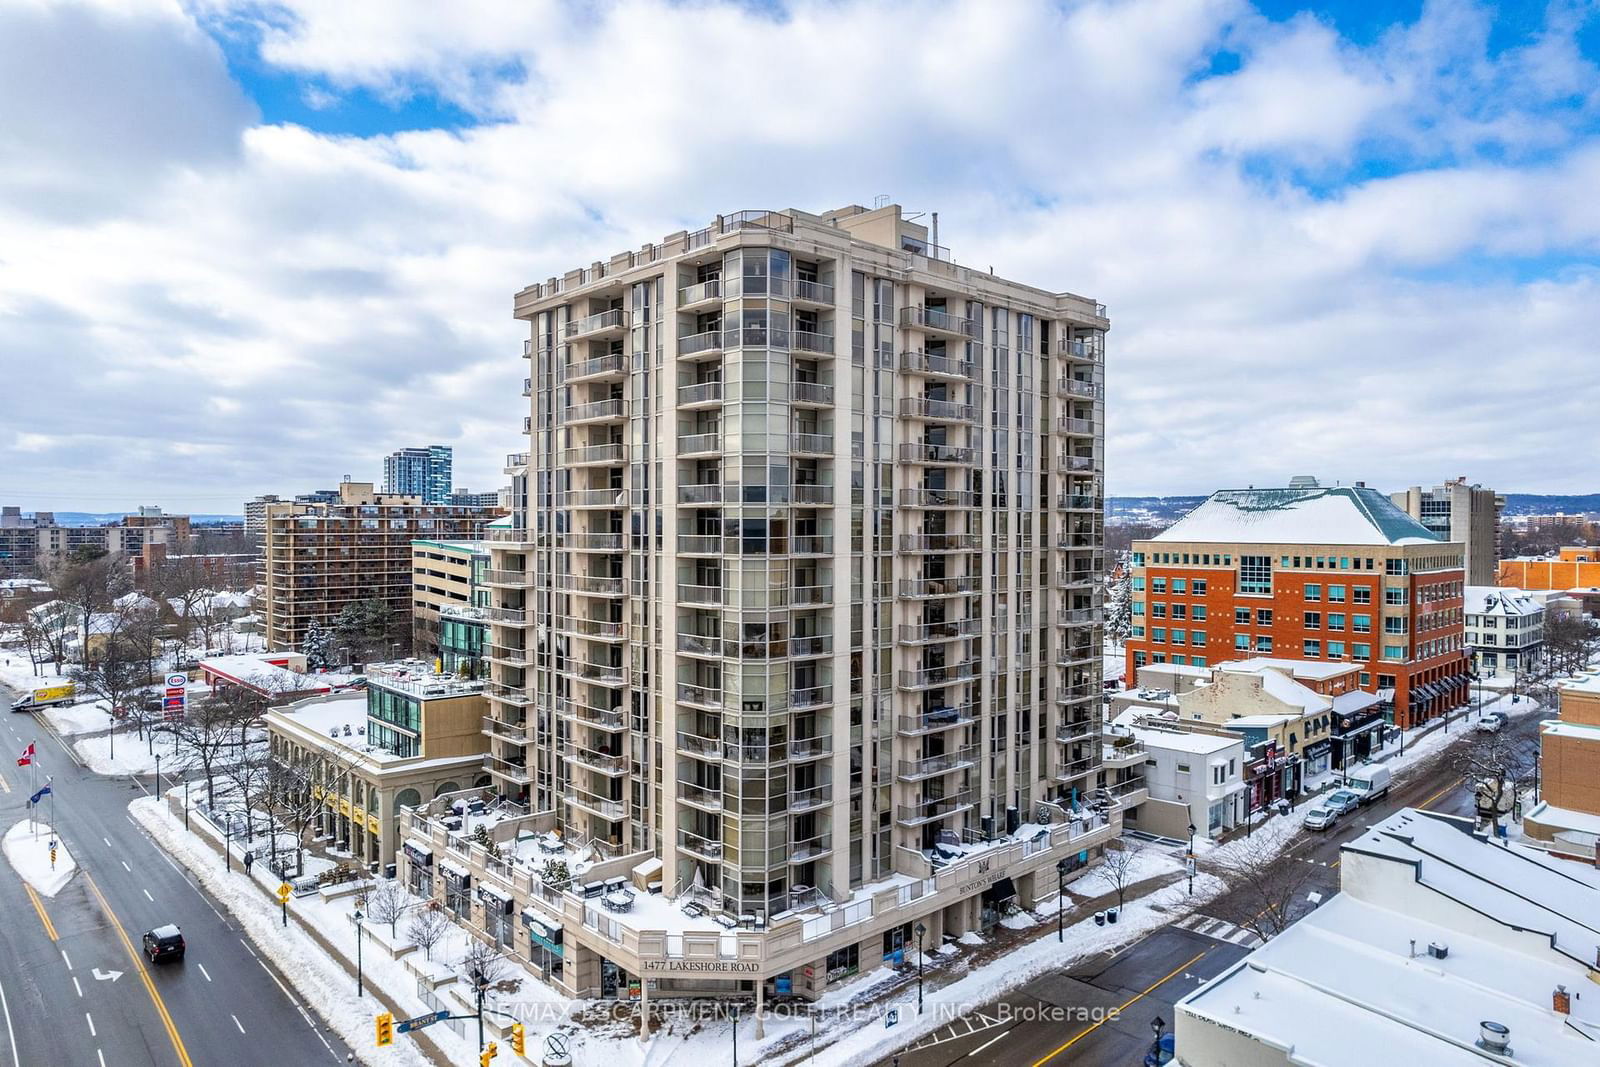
1319, 573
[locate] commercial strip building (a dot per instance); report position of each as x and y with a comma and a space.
449, 603
1310, 572
1442, 948
799, 605
1466, 514
420, 472
413, 735
1187, 778
1566, 820
321, 556
1504, 629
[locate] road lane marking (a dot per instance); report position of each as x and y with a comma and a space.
1444, 789
1120, 1009
5, 1006
144, 975
237, 1023
38, 906
76, 986
102, 1057
987, 1043
5, 784
66, 959
204, 971
126, 867
107, 840
280, 984
89, 1017
148, 897
247, 947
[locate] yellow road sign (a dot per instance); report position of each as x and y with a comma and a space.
283, 892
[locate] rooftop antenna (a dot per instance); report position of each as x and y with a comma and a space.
935, 234
879, 200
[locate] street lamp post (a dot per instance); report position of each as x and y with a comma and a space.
478, 986
1191, 859
359, 986
227, 844
919, 930
736, 1035
1158, 1026
158, 775
1061, 900
186, 803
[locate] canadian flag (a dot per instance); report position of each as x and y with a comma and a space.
27, 756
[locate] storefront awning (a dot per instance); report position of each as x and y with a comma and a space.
455, 871
421, 855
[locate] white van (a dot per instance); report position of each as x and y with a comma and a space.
1369, 781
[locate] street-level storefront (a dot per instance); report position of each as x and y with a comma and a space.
419, 875
1356, 736
499, 916
1317, 757
457, 889
545, 949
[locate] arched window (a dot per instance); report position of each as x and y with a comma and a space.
482, 780
407, 798
448, 787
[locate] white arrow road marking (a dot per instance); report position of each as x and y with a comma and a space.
106, 976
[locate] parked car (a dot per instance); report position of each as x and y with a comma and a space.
1492, 722
1319, 818
164, 944
1369, 781
1343, 801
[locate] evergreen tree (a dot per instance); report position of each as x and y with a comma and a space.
1119, 609
317, 647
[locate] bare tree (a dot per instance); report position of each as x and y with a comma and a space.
427, 927
1263, 884
204, 734
286, 794
387, 902
1498, 767
1119, 865
484, 967
89, 585
249, 776
50, 626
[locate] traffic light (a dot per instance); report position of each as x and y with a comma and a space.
489, 1053
519, 1042
386, 1029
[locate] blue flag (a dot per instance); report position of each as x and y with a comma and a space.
43, 792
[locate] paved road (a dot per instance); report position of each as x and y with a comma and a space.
222, 1005
1062, 1017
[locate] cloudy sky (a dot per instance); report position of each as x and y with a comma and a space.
251, 246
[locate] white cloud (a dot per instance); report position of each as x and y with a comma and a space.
264, 308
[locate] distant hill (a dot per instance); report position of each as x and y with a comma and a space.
1163, 510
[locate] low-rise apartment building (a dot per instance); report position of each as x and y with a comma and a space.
412, 736
1189, 778
1337, 574
1504, 628
321, 556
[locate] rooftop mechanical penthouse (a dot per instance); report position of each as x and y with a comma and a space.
797, 621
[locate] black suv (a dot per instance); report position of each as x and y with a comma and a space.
164, 943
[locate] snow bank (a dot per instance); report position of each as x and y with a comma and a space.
27, 846
133, 753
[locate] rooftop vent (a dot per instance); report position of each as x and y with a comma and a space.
1494, 1037
1438, 950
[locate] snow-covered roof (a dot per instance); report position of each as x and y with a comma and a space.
1583, 683
1259, 721
1549, 815
1341, 986
1322, 515
1356, 700
1184, 741
1317, 670
1498, 600
256, 673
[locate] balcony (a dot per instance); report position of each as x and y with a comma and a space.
1068, 772
700, 395
1076, 617
809, 748
924, 453
807, 341
589, 584
938, 542
613, 323
702, 493
514, 616
515, 657
527, 387
934, 365
700, 847
818, 294
700, 594
511, 579
812, 848
929, 632
1078, 577
1122, 752
811, 395
699, 444
1074, 388
514, 772
811, 645
938, 498
707, 345
507, 537
933, 809
936, 321
519, 695
703, 294
609, 719
1067, 424
701, 645
699, 544
609, 454
1078, 350
804, 800
811, 444
604, 763
595, 411
933, 720
930, 588
812, 496
515, 732
698, 796
1079, 502
921, 407
811, 545
703, 748
817, 696
605, 807
810, 596
516, 462
699, 696
611, 367
934, 677
1077, 653
933, 766
585, 541
1070, 733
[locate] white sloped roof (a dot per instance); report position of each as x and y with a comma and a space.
1336, 515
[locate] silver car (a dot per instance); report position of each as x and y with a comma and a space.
1319, 818
1342, 801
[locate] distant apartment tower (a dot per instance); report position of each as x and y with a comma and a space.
1456, 511
801, 592
321, 556
465, 498
1321, 573
255, 514
422, 472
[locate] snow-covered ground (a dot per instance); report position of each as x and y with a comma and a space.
134, 755
27, 847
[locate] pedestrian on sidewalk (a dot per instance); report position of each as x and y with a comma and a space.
249, 860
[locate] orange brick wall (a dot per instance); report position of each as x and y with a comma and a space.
1570, 767
1548, 574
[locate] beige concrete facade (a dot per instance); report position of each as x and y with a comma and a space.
446, 576
320, 556
803, 579
1468, 514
